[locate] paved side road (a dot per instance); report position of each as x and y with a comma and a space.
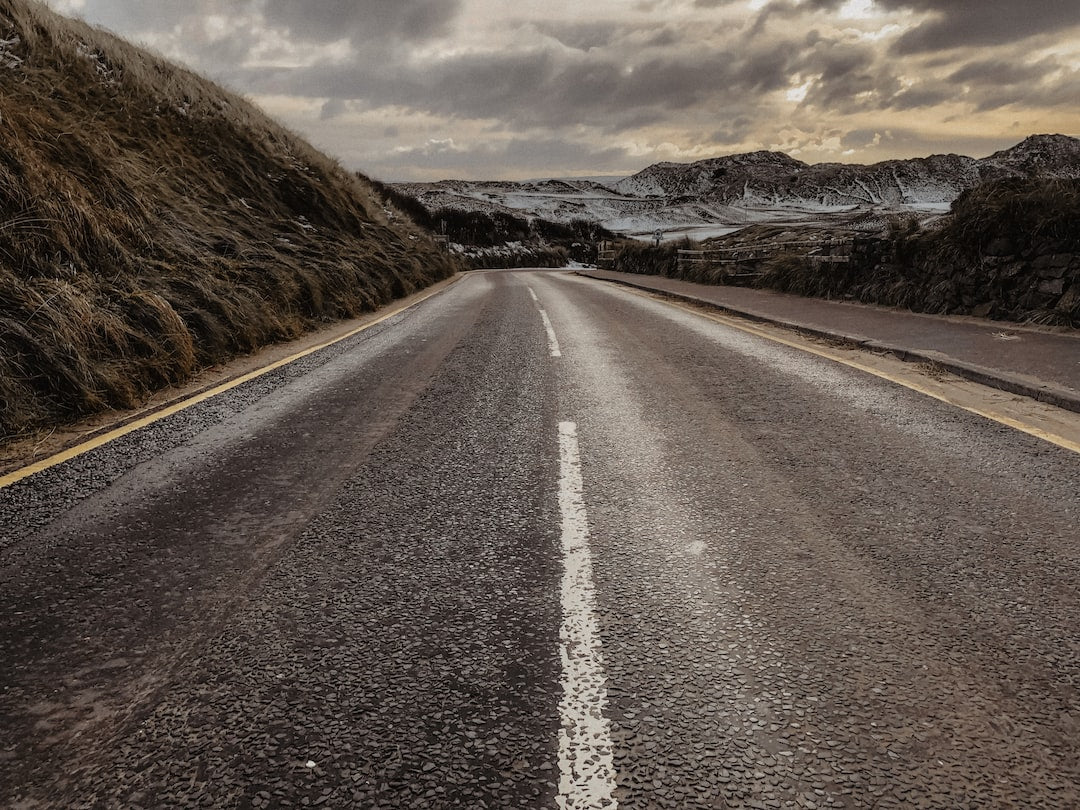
1038, 363
542, 542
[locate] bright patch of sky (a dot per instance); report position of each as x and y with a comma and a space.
857, 10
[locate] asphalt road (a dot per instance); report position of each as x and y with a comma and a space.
543, 542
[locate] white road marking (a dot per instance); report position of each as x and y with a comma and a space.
553, 342
586, 761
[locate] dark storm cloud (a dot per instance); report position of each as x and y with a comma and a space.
953, 24
581, 36
859, 138
767, 67
333, 108
218, 55
843, 70
503, 85
537, 155
486, 85
603, 90
552, 152
548, 87
916, 142
734, 130
778, 8
850, 93
669, 84
990, 86
961, 23
363, 20
839, 60
663, 38
925, 94
848, 76
610, 34
997, 72
983, 85
788, 9
579, 90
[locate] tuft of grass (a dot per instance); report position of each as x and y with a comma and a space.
1022, 212
152, 224
632, 256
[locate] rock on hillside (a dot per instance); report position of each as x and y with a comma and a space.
152, 224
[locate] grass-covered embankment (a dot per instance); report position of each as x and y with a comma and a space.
152, 224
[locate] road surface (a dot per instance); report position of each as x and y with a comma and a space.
544, 542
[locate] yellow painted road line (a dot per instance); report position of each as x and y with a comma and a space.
992, 415
131, 427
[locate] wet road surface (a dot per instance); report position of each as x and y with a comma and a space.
542, 542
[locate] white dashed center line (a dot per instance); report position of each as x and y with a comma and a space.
586, 763
553, 342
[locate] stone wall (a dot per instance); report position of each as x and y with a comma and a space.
1009, 250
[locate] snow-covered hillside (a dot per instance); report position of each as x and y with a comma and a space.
729, 192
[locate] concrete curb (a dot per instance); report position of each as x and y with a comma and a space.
993, 378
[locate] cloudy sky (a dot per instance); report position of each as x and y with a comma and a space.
431, 89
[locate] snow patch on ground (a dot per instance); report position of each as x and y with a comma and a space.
640, 217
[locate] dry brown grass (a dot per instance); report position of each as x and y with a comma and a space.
152, 223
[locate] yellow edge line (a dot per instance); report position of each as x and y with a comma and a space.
113, 435
993, 416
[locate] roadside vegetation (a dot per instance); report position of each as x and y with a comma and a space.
501, 239
153, 224
1008, 249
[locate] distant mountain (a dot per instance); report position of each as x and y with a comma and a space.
773, 179
703, 178
776, 179
761, 186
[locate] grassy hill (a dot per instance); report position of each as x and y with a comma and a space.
152, 224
